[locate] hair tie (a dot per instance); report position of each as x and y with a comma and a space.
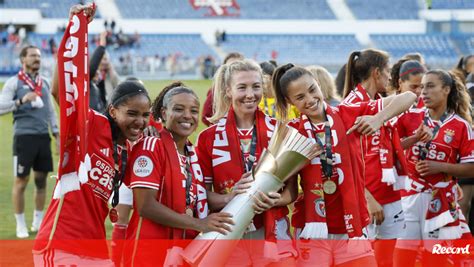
411, 70
288, 66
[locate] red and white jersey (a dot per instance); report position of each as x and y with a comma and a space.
147, 170
83, 212
382, 192
454, 143
333, 202
407, 122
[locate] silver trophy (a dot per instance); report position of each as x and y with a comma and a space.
287, 153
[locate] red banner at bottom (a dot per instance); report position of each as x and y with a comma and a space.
240, 253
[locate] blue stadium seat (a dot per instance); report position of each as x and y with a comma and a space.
248, 9
434, 47
465, 43
300, 49
373, 9
452, 4
48, 8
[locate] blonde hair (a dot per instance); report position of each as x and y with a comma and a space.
326, 82
222, 79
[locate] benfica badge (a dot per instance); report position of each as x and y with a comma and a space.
448, 136
113, 215
320, 207
435, 205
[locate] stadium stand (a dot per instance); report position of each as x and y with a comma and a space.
434, 47
245, 9
48, 8
301, 49
400, 9
452, 4
465, 42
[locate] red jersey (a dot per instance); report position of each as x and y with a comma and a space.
382, 192
333, 202
408, 122
82, 213
452, 144
148, 169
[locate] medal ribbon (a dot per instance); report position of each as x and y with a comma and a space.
35, 86
189, 178
326, 156
424, 149
253, 147
118, 177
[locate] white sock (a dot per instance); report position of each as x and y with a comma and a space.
20, 220
37, 217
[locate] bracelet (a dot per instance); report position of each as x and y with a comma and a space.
21, 101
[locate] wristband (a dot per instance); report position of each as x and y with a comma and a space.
21, 101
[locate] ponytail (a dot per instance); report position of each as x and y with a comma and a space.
350, 81
220, 102
360, 65
280, 91
459, 100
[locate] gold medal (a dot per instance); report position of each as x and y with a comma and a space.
189, 212
329, 187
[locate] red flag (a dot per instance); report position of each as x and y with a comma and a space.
73, 76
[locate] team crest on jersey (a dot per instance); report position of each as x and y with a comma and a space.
142, 166
320, 207
448, 136
435, 205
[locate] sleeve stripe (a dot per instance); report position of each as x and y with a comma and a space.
145, 141
153, 144
144, 182
138, 185
468, 159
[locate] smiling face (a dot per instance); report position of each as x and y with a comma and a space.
181, 116
131, 116
304, 93
245, 91
434, 93
32, 60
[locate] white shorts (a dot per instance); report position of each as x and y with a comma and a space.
125, 196
337, 249
251, 253
55, 257
415, 208
392, 225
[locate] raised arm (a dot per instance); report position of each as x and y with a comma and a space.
396, 104
392, 106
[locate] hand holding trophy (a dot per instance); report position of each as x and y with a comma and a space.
287, 153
